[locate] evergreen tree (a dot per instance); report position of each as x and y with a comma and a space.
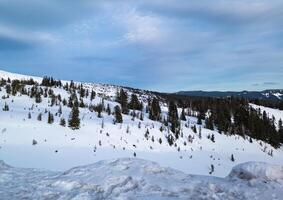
38, 98
62, 122
173, 118
170, 139
135, 103
146, 135
92, 95
8, 89
39, 117
141, 116
122, 98
194, 128
99, 109
60, 110
50, 119
209, 123
108, 109
154, 109
199, 122
212, 138
118, 115
82, 91
6, 107
232, 158
74, 120
183, 115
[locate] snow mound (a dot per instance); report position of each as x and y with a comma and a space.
257, 170
129, 178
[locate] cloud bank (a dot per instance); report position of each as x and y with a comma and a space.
160, 45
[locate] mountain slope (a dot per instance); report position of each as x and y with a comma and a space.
139, 179
274, 94
27, 142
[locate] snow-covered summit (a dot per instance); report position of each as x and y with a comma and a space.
12, 76
139, 179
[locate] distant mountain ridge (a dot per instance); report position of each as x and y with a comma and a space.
269, 94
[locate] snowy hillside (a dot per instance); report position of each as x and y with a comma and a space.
140, 179
277, 114
26, 141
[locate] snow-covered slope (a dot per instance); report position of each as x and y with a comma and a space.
271, 112
12, 76
60, 148
139, 179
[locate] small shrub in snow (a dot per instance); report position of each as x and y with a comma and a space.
211, 169
232, 158
34, 142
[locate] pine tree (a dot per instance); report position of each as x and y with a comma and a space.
8, 89
6, 107
108, 109
173, 118
92, 95
232, 158
199, 122
134, 103
146, 135
38, 98
209, 123
211, 169
50, 119
212, 138
194, 128
118, 115
60, 110
62, 122
154, 109
183, 115
141, 116
39, 117
170, 139
122, 98
99, 109
74, 120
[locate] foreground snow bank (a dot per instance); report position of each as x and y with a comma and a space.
257, 170
139, 179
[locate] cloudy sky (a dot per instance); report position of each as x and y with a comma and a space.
164, 45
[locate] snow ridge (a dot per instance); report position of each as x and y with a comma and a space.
129, 178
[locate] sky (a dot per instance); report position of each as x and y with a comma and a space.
161, 45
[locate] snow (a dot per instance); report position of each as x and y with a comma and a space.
129, 178
278, 114
278, 95
259, 170
60, 148
12, 76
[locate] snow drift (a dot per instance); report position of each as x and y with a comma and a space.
140, 179
257, 170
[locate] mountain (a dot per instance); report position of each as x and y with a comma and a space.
273, 94
170, 131
130, 178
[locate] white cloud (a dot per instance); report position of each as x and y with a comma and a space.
141, 28
31, 37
